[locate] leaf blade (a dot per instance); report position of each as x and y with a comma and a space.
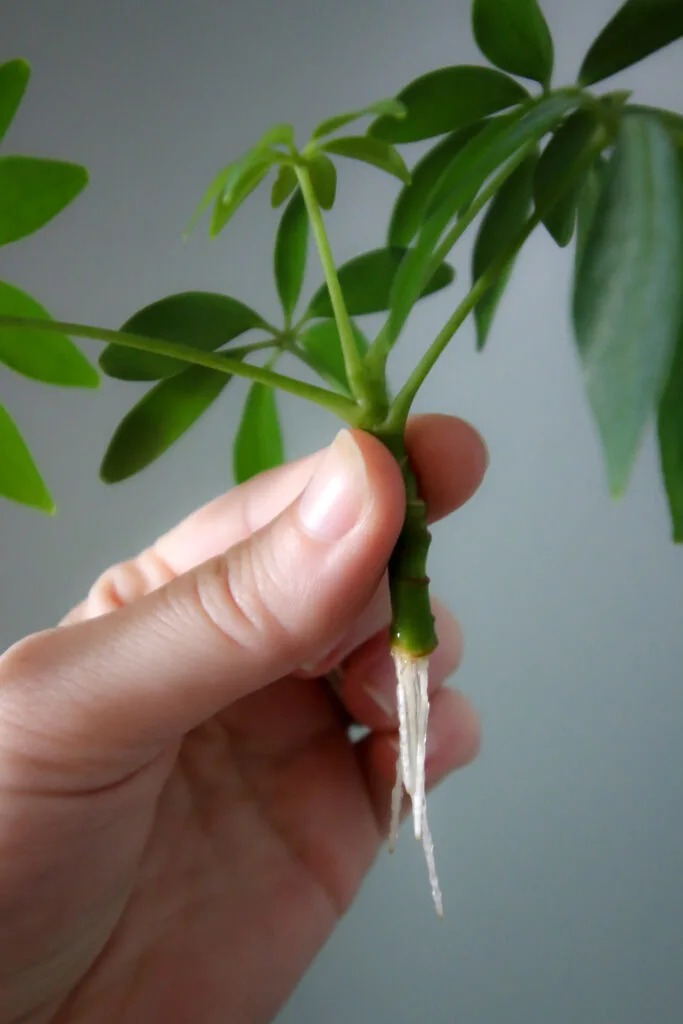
371, 151
638, 29
670, 437
258, 444
323, 175
20, 478
33, 191
571, 139
283, 186
14, 78
291, 249
382, 108
514, 35
323, 352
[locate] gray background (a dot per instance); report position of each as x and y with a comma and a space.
561, 849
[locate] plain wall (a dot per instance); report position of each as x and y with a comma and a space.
561, 850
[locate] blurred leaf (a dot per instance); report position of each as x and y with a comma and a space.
291, 248
246, 180
670, 429
514, 35
566, 146
283, 186
204, 320
258, 444
371, 151
14, 76
672, 121
33, 191
639, 28
324, 179
447, 99
504, 218
41, 355
322, 351
386, 108
162, 416
366, 282
627, 303
413, 200
589, 196
20, 479
278, 135
215, 188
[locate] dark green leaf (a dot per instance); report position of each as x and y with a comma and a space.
672, 121
371, 151
637, 29
324, 179
283, 186
366, 282
413, 200
20, 479
628, 303
204, 320
670, 424
258, 444
238, 189
514, 35
163, 415
458, 186
504, 218
291, 248
383, 108
321, 349
589, 197
41, 355
567, 146
14, 76
215, 188
33, 191
447, 99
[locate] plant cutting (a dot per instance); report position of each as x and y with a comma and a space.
511, 153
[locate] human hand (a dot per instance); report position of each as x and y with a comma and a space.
183, 817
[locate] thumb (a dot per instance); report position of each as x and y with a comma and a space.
155, 669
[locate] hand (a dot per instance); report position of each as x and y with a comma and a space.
183, 817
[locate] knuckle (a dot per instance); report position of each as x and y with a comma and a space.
127, 582
26, 660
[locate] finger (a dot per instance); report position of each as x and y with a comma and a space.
156, 668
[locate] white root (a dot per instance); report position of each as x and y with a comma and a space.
413, 713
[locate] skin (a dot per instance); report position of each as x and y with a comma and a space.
183, 816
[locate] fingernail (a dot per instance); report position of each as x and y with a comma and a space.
338, 493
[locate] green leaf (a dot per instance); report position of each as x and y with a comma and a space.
412, 203
367, 280
670, 430
41, 355
20, 479
672, 121
480, 157
14, 76
637, 29
204, 320
588, 199
291, 249
278, 135
371, 151
33, 191
514, 35
215, 188
162, 416
504, 218
447, 99
566, 146
627, 302
321, 349
283, 186
383, 108
324, 179
239, 187
258, 444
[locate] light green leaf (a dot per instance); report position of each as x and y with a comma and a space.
371, 151
628, 302
41, 355
514, 35
503, 220
639, 28
447, 99
162, 416
14, 76
383, 108
566, 146
367, 280
672, 121
33, 191
283, 186
204, 320
238, 188
215, 189
278, 135
291, 248
670, 430
412, 203
258, 444
321, 349
20, 479
324, 179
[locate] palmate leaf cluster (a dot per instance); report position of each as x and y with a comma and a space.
596, 170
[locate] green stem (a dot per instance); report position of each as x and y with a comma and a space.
352, 359
335, 403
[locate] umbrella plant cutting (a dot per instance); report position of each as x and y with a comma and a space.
511, 152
